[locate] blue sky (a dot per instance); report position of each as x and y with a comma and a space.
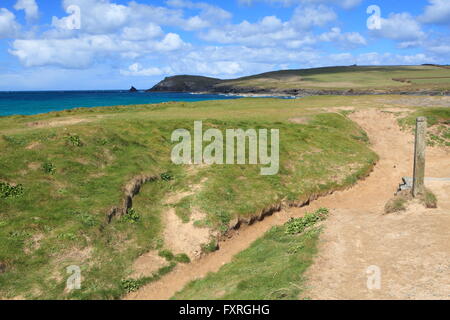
113, 44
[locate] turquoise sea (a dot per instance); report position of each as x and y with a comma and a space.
36, 102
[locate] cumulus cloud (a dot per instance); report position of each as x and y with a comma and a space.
400, 27
136, 69
30, 7
349, 39
8, 25
81, 52
266, 32
346, 4
438, 11
271, 31
150, 31
209, 14
306, 17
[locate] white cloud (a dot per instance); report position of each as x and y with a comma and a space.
30, 7
271, 31
150, 31
97, 16
171, 42
400, 27
346, 4
136, 69
306, 17
8, 25
438, 11
375, 58
208, 12
83, 51
348, 39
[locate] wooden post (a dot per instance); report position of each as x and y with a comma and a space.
419, 157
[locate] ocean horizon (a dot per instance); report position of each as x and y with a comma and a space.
38, 102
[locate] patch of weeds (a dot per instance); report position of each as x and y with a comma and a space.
49, 168
398, 203
299, 246
296, 226
202, 224
166, 254
430, 199
182, 258
131, 216
9, 191
102, 141
167, 176
210, 246
131, 285
19, 235
67, 236
74, 140
16, 141
224, 218
88, 220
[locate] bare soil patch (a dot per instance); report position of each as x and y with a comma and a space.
57, 123
185, 238
148, 264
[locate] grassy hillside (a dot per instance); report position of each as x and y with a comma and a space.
60, 174
356, 78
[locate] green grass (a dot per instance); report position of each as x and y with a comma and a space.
58, 183
438, 120
358, 78
270, 269
352, 77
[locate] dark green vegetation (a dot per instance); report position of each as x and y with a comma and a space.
438, 120
271, 268
388, 79
60, 173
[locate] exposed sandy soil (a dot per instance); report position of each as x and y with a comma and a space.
147, 264
412, 249
182, 237
57, 123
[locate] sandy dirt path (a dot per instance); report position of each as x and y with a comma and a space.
411, 249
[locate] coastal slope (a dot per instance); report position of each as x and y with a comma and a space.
347, 80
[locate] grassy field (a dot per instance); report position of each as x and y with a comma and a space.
438, 120
333, 78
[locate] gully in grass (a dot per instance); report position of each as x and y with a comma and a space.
235, 140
